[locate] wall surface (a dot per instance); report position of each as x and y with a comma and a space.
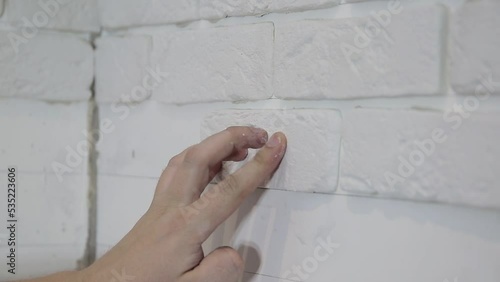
46, 74
391, 108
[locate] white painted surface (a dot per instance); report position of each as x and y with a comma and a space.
66, 15
214, 64
311, 161
121, 69
475, 44
124, 13
422, 155
130, 13
52, 226
356, 57
35, 135
121, 200
40, 260
50, 66
389, 240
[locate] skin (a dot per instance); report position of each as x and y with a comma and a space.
165, 244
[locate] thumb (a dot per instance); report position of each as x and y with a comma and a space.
222, 265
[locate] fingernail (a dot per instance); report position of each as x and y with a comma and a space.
275, 141
261, 134
257, 130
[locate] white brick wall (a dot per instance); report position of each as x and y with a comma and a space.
162, 71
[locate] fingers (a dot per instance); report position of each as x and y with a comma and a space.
222, 200
222, 265
189, 173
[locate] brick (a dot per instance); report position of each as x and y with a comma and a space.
313, 137
72, 15
36, 135
122, 201
293, 5
121, 69
41, 260
143, 150
224, 8
126, 13
215, 64
421, 155
475, 44
278, 232
330, 59
49, 66
50, 212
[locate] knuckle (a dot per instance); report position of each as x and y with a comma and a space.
233, 129
229, 185
176, 161
193, 156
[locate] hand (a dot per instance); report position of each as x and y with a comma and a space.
165, 245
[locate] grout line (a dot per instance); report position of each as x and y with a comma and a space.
92, 126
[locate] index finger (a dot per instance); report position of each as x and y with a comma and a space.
226, 197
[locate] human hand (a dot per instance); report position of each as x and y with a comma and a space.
165, 244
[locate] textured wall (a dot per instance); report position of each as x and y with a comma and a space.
392, 110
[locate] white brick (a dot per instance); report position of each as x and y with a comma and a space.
74, 15
404, 59
37, 134
298, 5
461, 170
215, 64
49, 212
311, 161
224, 8
475, 44
121, 203
280, 231
121, 64
124, 13
42, 260
49, 66
134, 146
